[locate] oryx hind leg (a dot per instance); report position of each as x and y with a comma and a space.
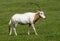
14, 28
10, 29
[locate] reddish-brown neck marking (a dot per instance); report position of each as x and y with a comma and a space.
36, 18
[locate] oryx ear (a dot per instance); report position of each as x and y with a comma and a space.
38, 11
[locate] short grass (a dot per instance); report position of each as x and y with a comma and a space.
48, 30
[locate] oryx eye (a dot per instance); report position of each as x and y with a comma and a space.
40, 13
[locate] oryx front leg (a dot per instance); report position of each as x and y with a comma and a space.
34, 29
29, 29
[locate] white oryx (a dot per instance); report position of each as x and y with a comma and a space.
26, 18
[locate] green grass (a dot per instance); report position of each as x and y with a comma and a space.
48, 30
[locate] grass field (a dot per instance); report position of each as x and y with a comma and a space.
48, 30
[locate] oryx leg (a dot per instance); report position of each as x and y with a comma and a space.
34, 28
14, 28
29, 29
10, 29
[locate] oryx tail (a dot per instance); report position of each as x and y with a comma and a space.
10, 25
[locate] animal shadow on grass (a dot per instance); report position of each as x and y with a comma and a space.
23, 34
32, 33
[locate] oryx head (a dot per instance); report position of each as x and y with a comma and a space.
41, 13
